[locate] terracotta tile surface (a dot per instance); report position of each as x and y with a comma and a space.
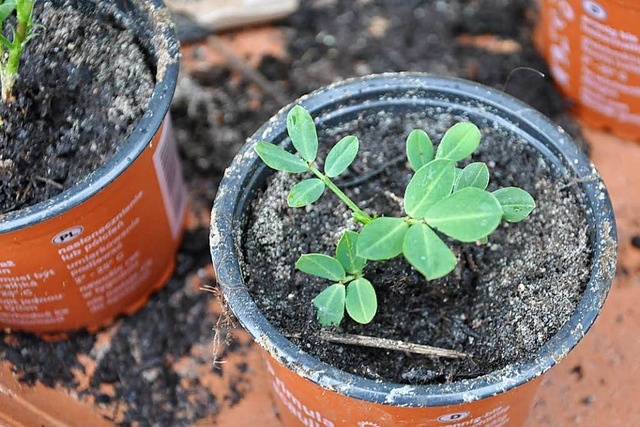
250, 45
25, 406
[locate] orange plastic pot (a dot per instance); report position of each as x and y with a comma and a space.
101, 247
312, 393
593, 51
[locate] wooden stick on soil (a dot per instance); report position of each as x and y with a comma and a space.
387, 344
50, 182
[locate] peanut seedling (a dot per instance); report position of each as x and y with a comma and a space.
440, 198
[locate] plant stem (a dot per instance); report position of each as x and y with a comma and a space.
359, 215
10, 68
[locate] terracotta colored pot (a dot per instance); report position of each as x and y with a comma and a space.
313, 393
101, 247
593, 50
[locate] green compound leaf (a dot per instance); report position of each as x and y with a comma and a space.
459, 141
302, 132
516, 203
341, 156
347, 255
279, 159
427, 253
466, 215
430, 184
361, 301
322, 266
305, 192
473, 175
329, 305
382, 238
419, 149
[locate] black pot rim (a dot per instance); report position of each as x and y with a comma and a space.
140, 137
513, 114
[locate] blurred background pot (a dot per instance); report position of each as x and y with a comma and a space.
593, 51
101, 247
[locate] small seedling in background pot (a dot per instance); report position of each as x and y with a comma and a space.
440, 198
12, 49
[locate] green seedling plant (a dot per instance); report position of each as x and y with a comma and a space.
440, 198
12, 48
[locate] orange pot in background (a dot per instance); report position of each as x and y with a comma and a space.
593, 51
101, 247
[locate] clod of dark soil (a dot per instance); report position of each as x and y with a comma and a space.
502, 302
635, 241
83, 84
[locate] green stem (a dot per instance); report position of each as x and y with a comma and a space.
10, 72
359, 215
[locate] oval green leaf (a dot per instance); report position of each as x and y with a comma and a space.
361, 301
430, 184
322, 266
473, 175
459, 141
347, 255
419, 149
329, 305
382, 238
341, 156
466, 215
516, 203
279, 159
427, 253
305, 192
302, 132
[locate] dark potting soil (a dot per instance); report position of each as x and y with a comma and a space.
83, 84
502, 302
213, 114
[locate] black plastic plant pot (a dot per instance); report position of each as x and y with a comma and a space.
312, 393
100, 248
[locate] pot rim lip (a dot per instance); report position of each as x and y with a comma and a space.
140, 137
223, 243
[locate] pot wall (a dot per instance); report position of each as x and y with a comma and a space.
303, 403
103, 256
